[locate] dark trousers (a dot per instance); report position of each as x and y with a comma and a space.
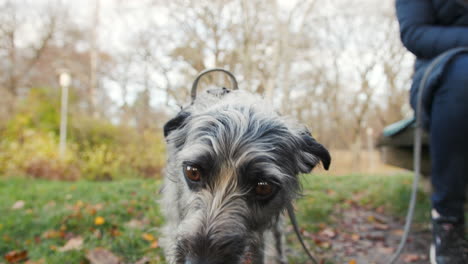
449, 139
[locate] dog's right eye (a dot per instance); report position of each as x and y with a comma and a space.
265, 190
192, 173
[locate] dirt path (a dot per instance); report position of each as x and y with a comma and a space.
362, 236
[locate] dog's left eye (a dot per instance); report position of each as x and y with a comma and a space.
192, 173
264, 189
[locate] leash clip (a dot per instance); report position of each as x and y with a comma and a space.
197, 79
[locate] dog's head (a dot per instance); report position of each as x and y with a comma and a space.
233, 167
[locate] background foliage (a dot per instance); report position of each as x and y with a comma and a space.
337, 66
97, 149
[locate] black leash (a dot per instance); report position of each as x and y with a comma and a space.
292, 217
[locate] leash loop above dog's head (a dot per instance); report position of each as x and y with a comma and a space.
195, 83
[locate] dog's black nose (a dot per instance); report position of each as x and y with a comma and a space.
200, 261
221, 259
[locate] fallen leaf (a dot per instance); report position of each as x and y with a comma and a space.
328, 232
53, 234
155, 244
408, 258
97, 233
40, 261
355, 237
353, 261
380, 209
102, 256
75, 243
148, 237
380, 226
18, 205
16, 256
135, 223
79, 204
143, 260
115, 232
99, 220
98, 206
325, 245
386, 250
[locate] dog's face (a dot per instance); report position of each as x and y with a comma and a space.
232, 169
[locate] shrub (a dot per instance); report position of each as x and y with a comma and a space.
96, 149
36, 154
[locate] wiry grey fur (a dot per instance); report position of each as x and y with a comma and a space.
237, 140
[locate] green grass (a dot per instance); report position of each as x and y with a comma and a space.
323, 194
66, 208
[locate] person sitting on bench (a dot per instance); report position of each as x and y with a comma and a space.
428, 29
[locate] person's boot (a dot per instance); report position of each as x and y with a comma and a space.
449, 245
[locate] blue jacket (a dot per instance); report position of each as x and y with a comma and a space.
429, 28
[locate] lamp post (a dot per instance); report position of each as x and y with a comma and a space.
64, 81
370, 147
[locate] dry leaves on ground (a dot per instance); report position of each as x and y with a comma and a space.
75, 243
408, 258
102, 256
16, 256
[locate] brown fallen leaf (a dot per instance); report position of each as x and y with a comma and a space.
16, 256
115, 232
102, 256
386, 250
75, 243
355, 237
328, 232
408, 258
380, 209
398, 232
380, 226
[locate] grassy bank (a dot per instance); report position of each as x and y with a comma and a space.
124, 217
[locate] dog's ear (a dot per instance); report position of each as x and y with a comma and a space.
176, 122
312, 153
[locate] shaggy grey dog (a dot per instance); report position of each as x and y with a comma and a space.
232, 170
